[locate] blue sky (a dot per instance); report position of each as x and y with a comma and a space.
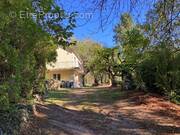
89, 27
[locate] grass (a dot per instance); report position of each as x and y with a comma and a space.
58, 95
105, 96
101, 109
101, 95
89, 100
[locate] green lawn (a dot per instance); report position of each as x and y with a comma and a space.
85, 98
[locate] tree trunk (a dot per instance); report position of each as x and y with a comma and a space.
113, 81
83, 79
96, 82
102, 79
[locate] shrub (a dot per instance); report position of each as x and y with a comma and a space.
160, 71
13, 119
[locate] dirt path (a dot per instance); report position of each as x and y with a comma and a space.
104, 111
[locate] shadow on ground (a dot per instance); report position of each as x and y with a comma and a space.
115, 112
80, 96
59, 120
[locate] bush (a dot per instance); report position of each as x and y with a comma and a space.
4, 99
4, 102
160, 71
175, 96
145, 75
9, 121
12, 120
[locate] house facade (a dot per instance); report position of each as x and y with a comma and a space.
67, 68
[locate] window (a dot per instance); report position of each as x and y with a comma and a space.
54, 76
57, 77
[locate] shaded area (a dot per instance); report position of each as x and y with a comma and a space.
106, 111
72, 122
90, 95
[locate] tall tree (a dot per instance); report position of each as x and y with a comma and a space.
163, 22
28, 39
106, 62
86, 51
132, 44
162, 29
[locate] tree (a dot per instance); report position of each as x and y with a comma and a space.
109, 10
86, 51
105, 62
162, 22
162, 30
27, 43
132, 44
149, 52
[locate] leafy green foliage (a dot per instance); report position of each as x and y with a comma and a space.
132, 44
106, 62
14, 119
161, 70
149, 54
27, 43
163, 53
86, 51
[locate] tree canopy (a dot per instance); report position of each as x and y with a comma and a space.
28, 40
